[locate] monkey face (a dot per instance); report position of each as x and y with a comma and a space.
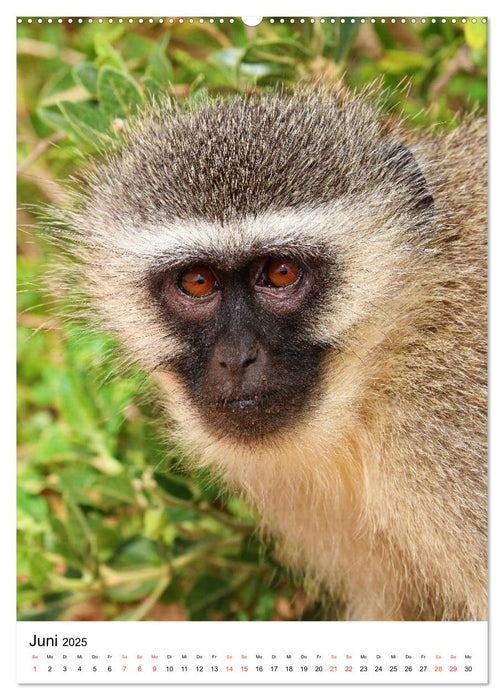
233, 246
248, 364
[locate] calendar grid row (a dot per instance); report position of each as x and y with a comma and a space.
206, 653
257, 665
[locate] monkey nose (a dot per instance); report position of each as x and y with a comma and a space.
236, 360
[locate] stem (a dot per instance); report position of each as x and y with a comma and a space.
41, 146
196, 553
206, 510
144, 607
112, 577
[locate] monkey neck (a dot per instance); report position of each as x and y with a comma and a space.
306, 491
306, 486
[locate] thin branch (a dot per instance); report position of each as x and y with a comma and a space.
204, 509
40, 147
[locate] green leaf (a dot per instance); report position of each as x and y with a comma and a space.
77, 481
337, 39
87, 120
118, 94
41, 128
136, 552
131, 591
174, 485
57, 121
265, 606
398, 61
108, 535
86, 74
154, 522
115, 489
260, 70
239, 508
49, 613
152, 89
40, 568
135, 46
79, 535
275, 78
228, 59
169, 535
206, 591
61, 540
476, 34
189, 67
31, 479
53, 444
32, 512
276, 51
347, 37
106, 55
252, 549
160, 69
181, 515
61, 81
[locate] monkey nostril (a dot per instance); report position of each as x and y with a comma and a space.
238, 364
252, 357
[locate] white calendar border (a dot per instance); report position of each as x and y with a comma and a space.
227, 8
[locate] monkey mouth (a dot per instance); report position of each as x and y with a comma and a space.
243, 402
249, 417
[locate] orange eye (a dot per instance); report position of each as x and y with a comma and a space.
198, 281
280, 273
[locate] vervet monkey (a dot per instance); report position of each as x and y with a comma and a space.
307, 284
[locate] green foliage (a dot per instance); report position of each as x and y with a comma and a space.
111, 523
118, 94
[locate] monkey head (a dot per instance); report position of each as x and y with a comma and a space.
236, 247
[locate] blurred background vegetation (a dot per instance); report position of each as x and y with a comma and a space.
110, 523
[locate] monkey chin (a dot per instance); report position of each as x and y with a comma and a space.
247, 420
243, 419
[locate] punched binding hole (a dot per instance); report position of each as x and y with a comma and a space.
251, 21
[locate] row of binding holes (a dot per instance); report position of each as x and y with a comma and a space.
292, 20
122, 20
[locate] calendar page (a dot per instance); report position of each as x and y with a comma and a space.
252, 342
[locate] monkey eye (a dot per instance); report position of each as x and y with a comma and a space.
279, 273
198, 282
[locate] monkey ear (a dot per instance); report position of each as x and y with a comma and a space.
407, 173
